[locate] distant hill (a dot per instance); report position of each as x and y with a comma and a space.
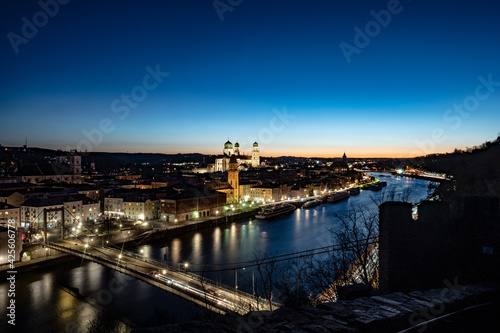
151, 158
103, 161
476, 170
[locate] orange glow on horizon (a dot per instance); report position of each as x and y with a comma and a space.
322, 152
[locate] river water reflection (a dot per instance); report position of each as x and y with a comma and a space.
304, 229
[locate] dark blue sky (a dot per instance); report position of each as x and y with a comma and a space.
270, 71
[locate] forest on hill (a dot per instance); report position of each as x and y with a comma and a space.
475, 170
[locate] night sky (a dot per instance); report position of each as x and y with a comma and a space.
303, 78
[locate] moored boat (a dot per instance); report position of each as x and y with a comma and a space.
375, 187
354, 191
311, 203
339, 196
275, 211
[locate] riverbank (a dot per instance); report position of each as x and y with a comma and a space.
39, 263
176, 230
424, 177
42, 259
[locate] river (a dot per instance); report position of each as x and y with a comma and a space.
43, 304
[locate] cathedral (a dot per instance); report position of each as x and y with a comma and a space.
222, 161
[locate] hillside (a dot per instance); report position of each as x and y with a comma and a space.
475, 171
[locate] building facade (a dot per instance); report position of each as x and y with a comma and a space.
266, 193
192, 205
9, 212
113, 207
222, 162
75, 209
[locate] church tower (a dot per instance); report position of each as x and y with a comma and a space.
255, 155
233, 178
344, 158
237, 149
228, 148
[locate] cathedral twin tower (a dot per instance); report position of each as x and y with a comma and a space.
222, 162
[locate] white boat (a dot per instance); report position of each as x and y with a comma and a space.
275, 211
339, 196
311, 203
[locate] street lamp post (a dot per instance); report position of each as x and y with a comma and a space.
253, 280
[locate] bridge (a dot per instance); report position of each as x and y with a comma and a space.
195, 288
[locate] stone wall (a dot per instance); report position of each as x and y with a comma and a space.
387, 313
421, 253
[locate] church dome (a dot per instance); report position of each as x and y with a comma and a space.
228, 145
255, 144
236, 144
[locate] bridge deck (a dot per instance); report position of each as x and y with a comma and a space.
192, 287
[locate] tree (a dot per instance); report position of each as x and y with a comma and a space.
352, 258
391, 195
265, 284
292, 283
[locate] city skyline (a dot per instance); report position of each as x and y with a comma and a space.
373, 79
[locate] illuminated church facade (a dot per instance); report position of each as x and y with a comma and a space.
222, 162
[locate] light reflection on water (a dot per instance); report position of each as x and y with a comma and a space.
303, 229
42, 305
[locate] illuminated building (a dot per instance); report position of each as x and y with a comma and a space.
233, 178
222, 162
190, 205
